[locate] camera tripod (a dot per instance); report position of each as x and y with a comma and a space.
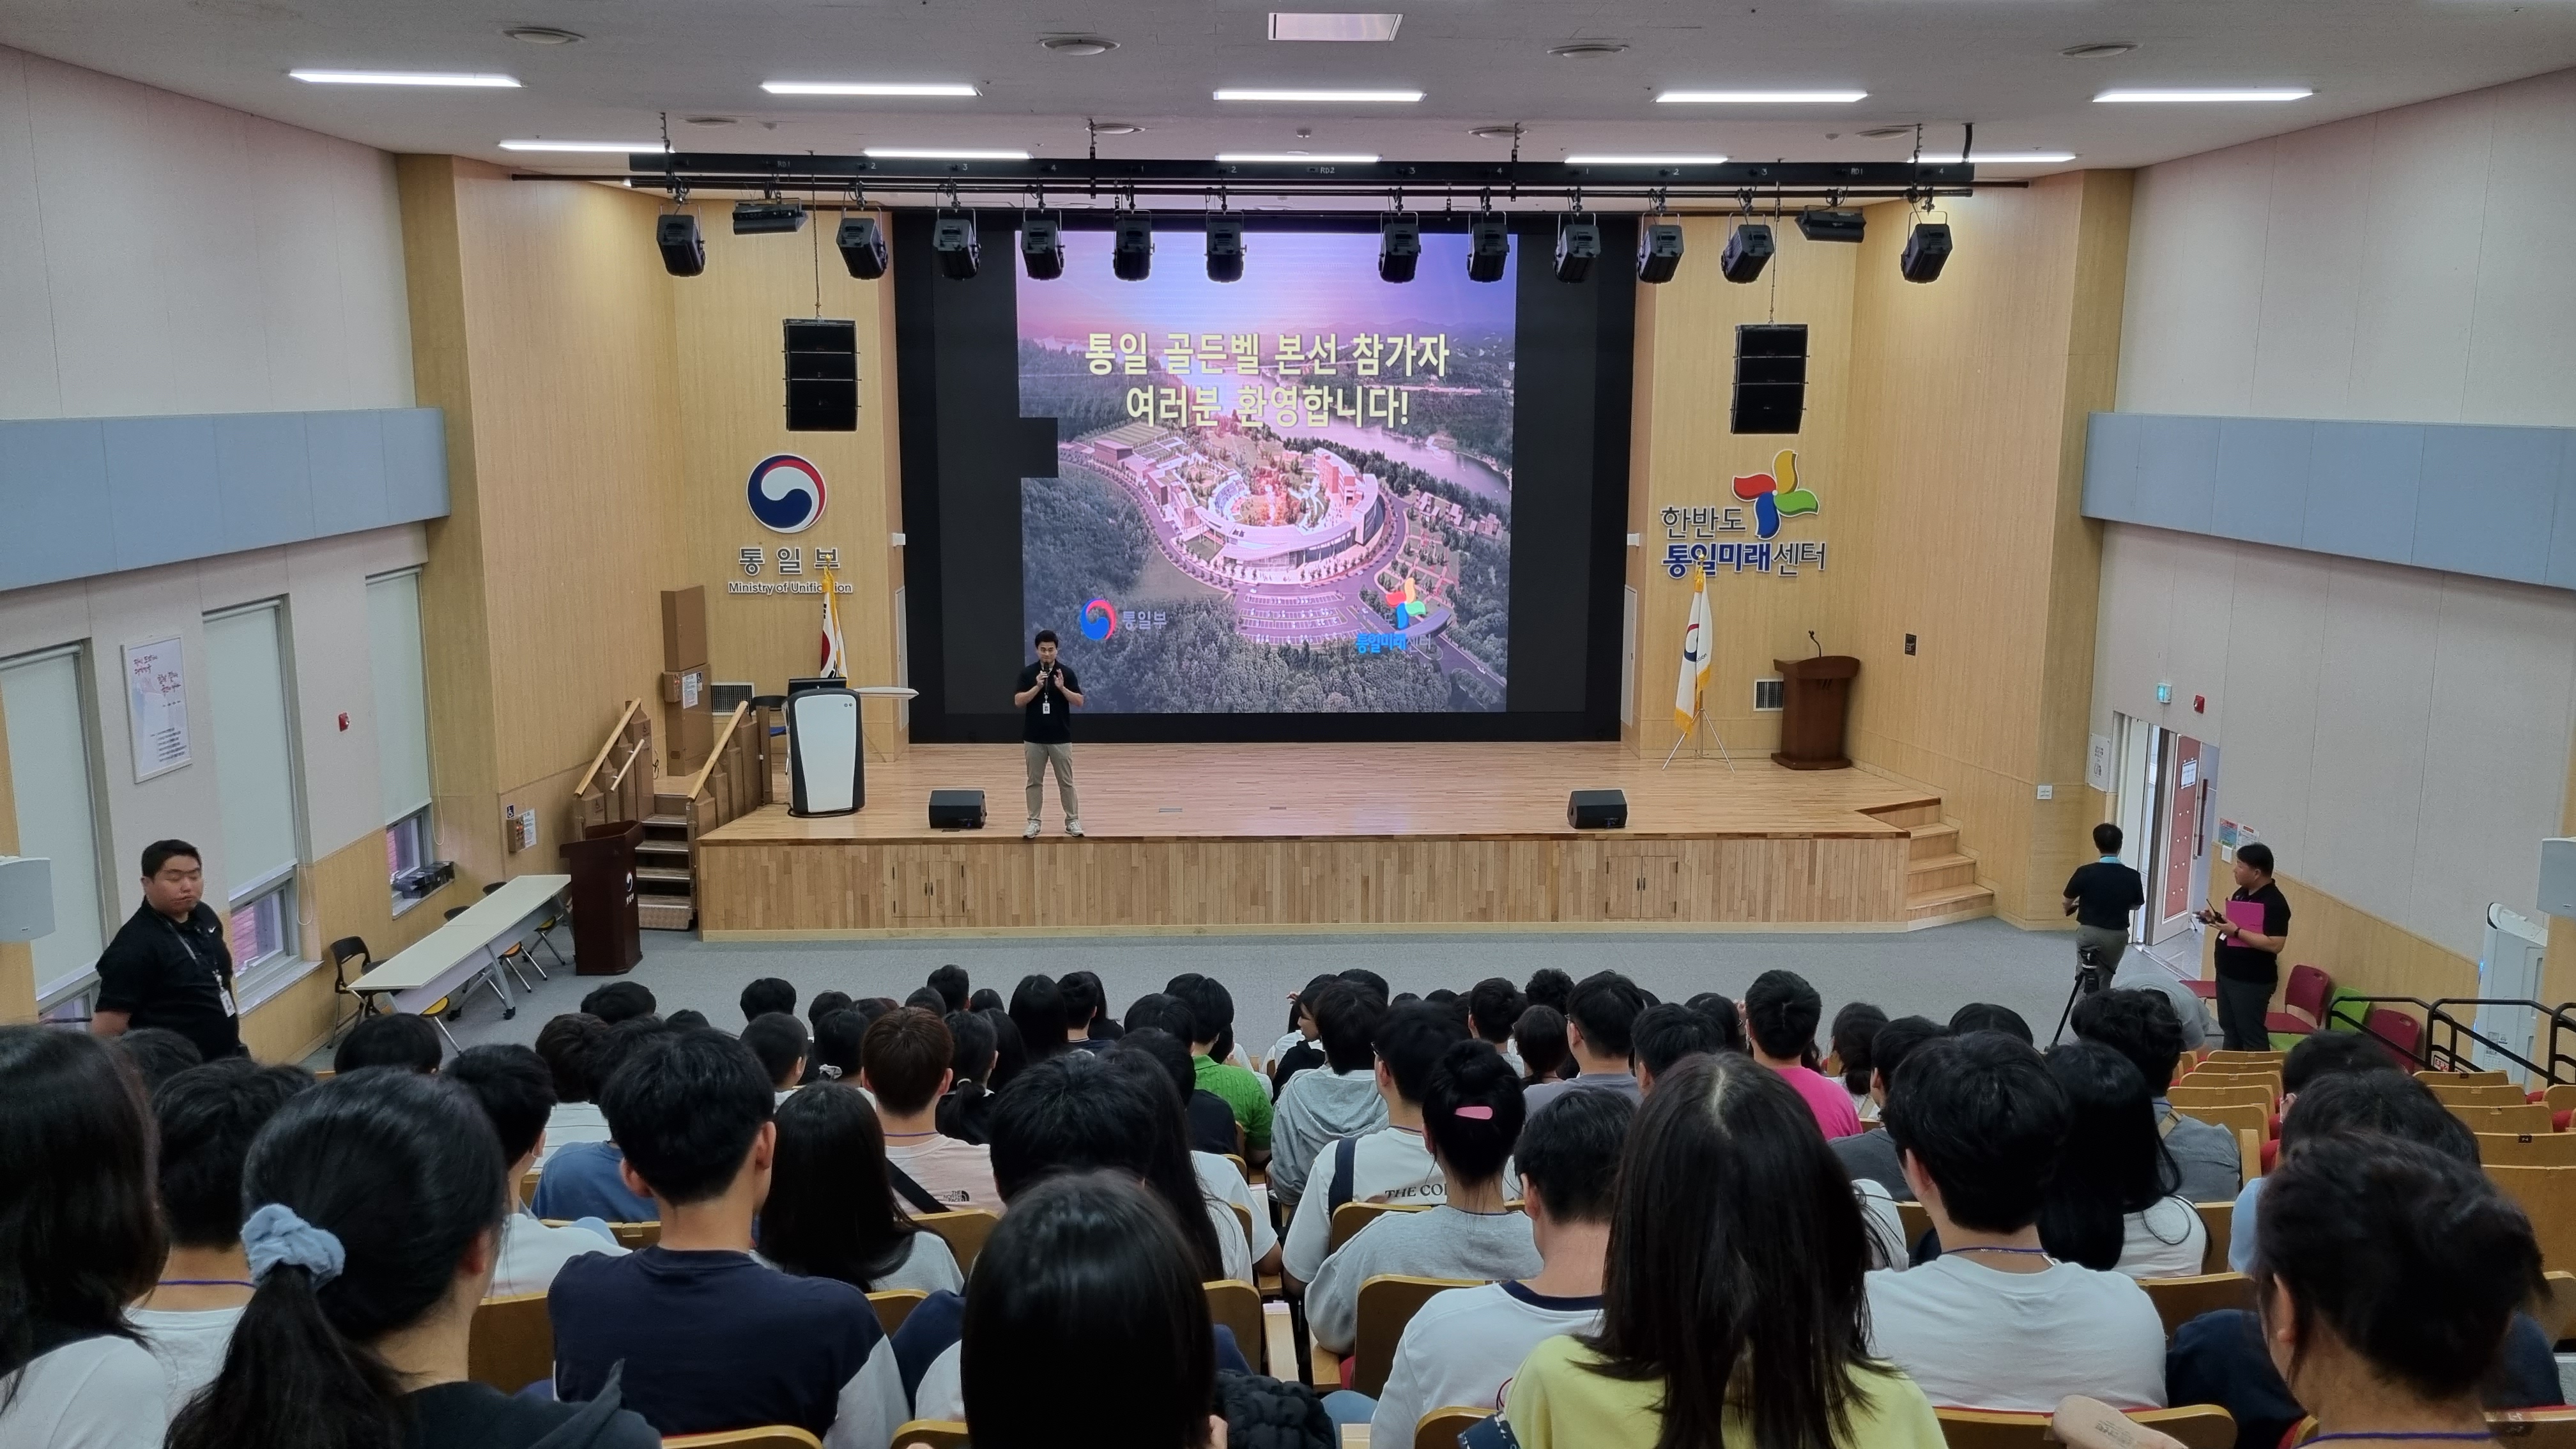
2089, 978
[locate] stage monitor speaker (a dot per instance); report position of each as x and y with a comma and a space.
826, 769
1770, 378
822, 375
1597, 809
956, 809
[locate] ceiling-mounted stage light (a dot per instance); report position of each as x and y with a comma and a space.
1659, 251
863, 247
1748, 250
1489, 247
1042, 247
1927, 248
1131, 249
1831, 226
684, 252
1578, 242
953, 241
1225, 248
1399, 248
766, 218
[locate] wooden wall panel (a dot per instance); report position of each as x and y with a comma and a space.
343, 894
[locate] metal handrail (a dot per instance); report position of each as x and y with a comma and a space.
2432, 1050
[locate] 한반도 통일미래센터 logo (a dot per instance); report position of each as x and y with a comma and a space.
1406, 603
786, 493
1099, 620
1775, 495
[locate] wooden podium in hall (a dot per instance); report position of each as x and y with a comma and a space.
604, 937
1815, 695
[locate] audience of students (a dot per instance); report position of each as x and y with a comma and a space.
779, 1040
397, 1039
2111, 1202
965, 1110
1987, 1016
832, 1212
823, 1004
904, 1061
1667, 1032
1223, 1182
1038, 1009
1781, 1013
621, 1001
2141, 1026
1550, 988
587, 1179
1296, 1051
2324, 1054
158, 1053
952, 985
1600, 1016
1871, 1156
1855, 1027
1342, 1100
1392, 1164
516, 1092
767, 996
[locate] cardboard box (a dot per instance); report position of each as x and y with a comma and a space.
684, 629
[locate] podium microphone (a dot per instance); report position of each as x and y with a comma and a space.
1820, 649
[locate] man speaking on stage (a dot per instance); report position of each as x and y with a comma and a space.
1048, 694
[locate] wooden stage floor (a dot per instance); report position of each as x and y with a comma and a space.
1266, 836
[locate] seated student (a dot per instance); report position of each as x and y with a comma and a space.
1170, 1165
2140, 1025
1733, 1309
1088, 1282
779, 1040
821, 1008
1872, 1156
2382, 1216
710, 1338
515, 1091
1538, 1039
2316, 1057
79, 1240
952, 985
380, 1200
1318, 1107
767, 995
2111, 1202
1986, 1016
1781, 1012
1492, 1007
925, 999
1392, 1164
836, 1052
1665, 1034
1211, 1123
1212, 1041
1218, 1176
1855, 1027
830, 1213
965, 1110
620, 1001
206, 1117
689, 1019
1010, 1054
1472, 1114
1463, 1346
1720, 1009
158, 1053
1086, 1010
986, 999
1297, 1051
1600, 1015
1038, 1010
571, 1044
1995, 1322
587, 1179
1550, 988
904, 1060
397, 1039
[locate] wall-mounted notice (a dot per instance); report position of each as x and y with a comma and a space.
156, 706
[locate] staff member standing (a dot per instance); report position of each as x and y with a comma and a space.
1048, 695
168, 965
2249, 962
2100, 897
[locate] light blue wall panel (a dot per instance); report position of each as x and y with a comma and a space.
345, 458
2487, 501
2362, 484
161, 486
260, 475
53, 494
415, 463
2262, 491
2178, 473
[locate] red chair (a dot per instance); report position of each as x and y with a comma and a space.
2303, 1006
2399, 1033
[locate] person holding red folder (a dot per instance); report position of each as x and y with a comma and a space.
2252, 933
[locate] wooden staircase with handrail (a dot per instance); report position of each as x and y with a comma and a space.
620, 785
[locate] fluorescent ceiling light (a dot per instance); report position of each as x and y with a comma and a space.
621, 148
1316, 25
867, 88
1361, 97
2019, 158
940, 153
1645, 160
401, 78
2185, 97
1291, 158
1760, 98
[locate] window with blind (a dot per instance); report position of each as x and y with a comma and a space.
49, 765
402, 720
255, 776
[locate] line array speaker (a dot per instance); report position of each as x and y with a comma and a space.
1770, 378
822, 375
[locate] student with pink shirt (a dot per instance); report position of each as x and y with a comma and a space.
1780, 1015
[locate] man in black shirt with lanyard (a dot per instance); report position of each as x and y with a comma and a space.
169, 966
2249, 961
2100, 897
1048, 694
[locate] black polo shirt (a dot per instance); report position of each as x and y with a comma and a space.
2244, 963
173, 974
1050, 715
2104, 893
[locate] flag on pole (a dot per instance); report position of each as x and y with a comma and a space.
1696, 646
835, 653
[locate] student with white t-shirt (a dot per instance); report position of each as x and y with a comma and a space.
1389, 1165
831, 1211
1997, 1321
2111, 1202
517, 1093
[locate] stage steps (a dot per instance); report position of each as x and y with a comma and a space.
1940, 877
665, 883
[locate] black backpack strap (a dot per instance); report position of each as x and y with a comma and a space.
1345, 1154
913, 1192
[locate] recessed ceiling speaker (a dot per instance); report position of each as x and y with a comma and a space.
1748, 250
1042, 247
1131, 247
822, 375
953, 241
767, 218
1399, 248
863, 247
1659, 251
1927, 249
1578, 243
1831, 226
684, 252
1489, 247
1770, 378
1225, 248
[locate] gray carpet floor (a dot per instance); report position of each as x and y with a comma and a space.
1929, 972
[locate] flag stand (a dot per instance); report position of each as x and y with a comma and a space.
1700, 734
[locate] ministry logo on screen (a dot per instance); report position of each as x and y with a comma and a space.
786, 493
1099, 620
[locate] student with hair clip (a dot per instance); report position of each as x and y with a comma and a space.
2111, 1201
1393, 1164
78, 1241
1733, 1310
1472, 1114
836, 1047
830, 1213
379, 1200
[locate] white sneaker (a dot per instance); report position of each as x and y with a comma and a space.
1073, 828
1031, 833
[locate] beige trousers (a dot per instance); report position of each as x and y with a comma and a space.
1062, 757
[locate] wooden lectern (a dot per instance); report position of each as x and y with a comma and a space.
604, 939
1815, 694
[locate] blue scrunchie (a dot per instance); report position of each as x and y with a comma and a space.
275, 1235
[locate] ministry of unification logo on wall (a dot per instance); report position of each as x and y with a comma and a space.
786, 493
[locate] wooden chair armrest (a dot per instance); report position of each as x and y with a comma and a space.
1323, 1369
1278, 1339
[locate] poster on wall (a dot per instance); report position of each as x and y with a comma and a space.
156, 707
